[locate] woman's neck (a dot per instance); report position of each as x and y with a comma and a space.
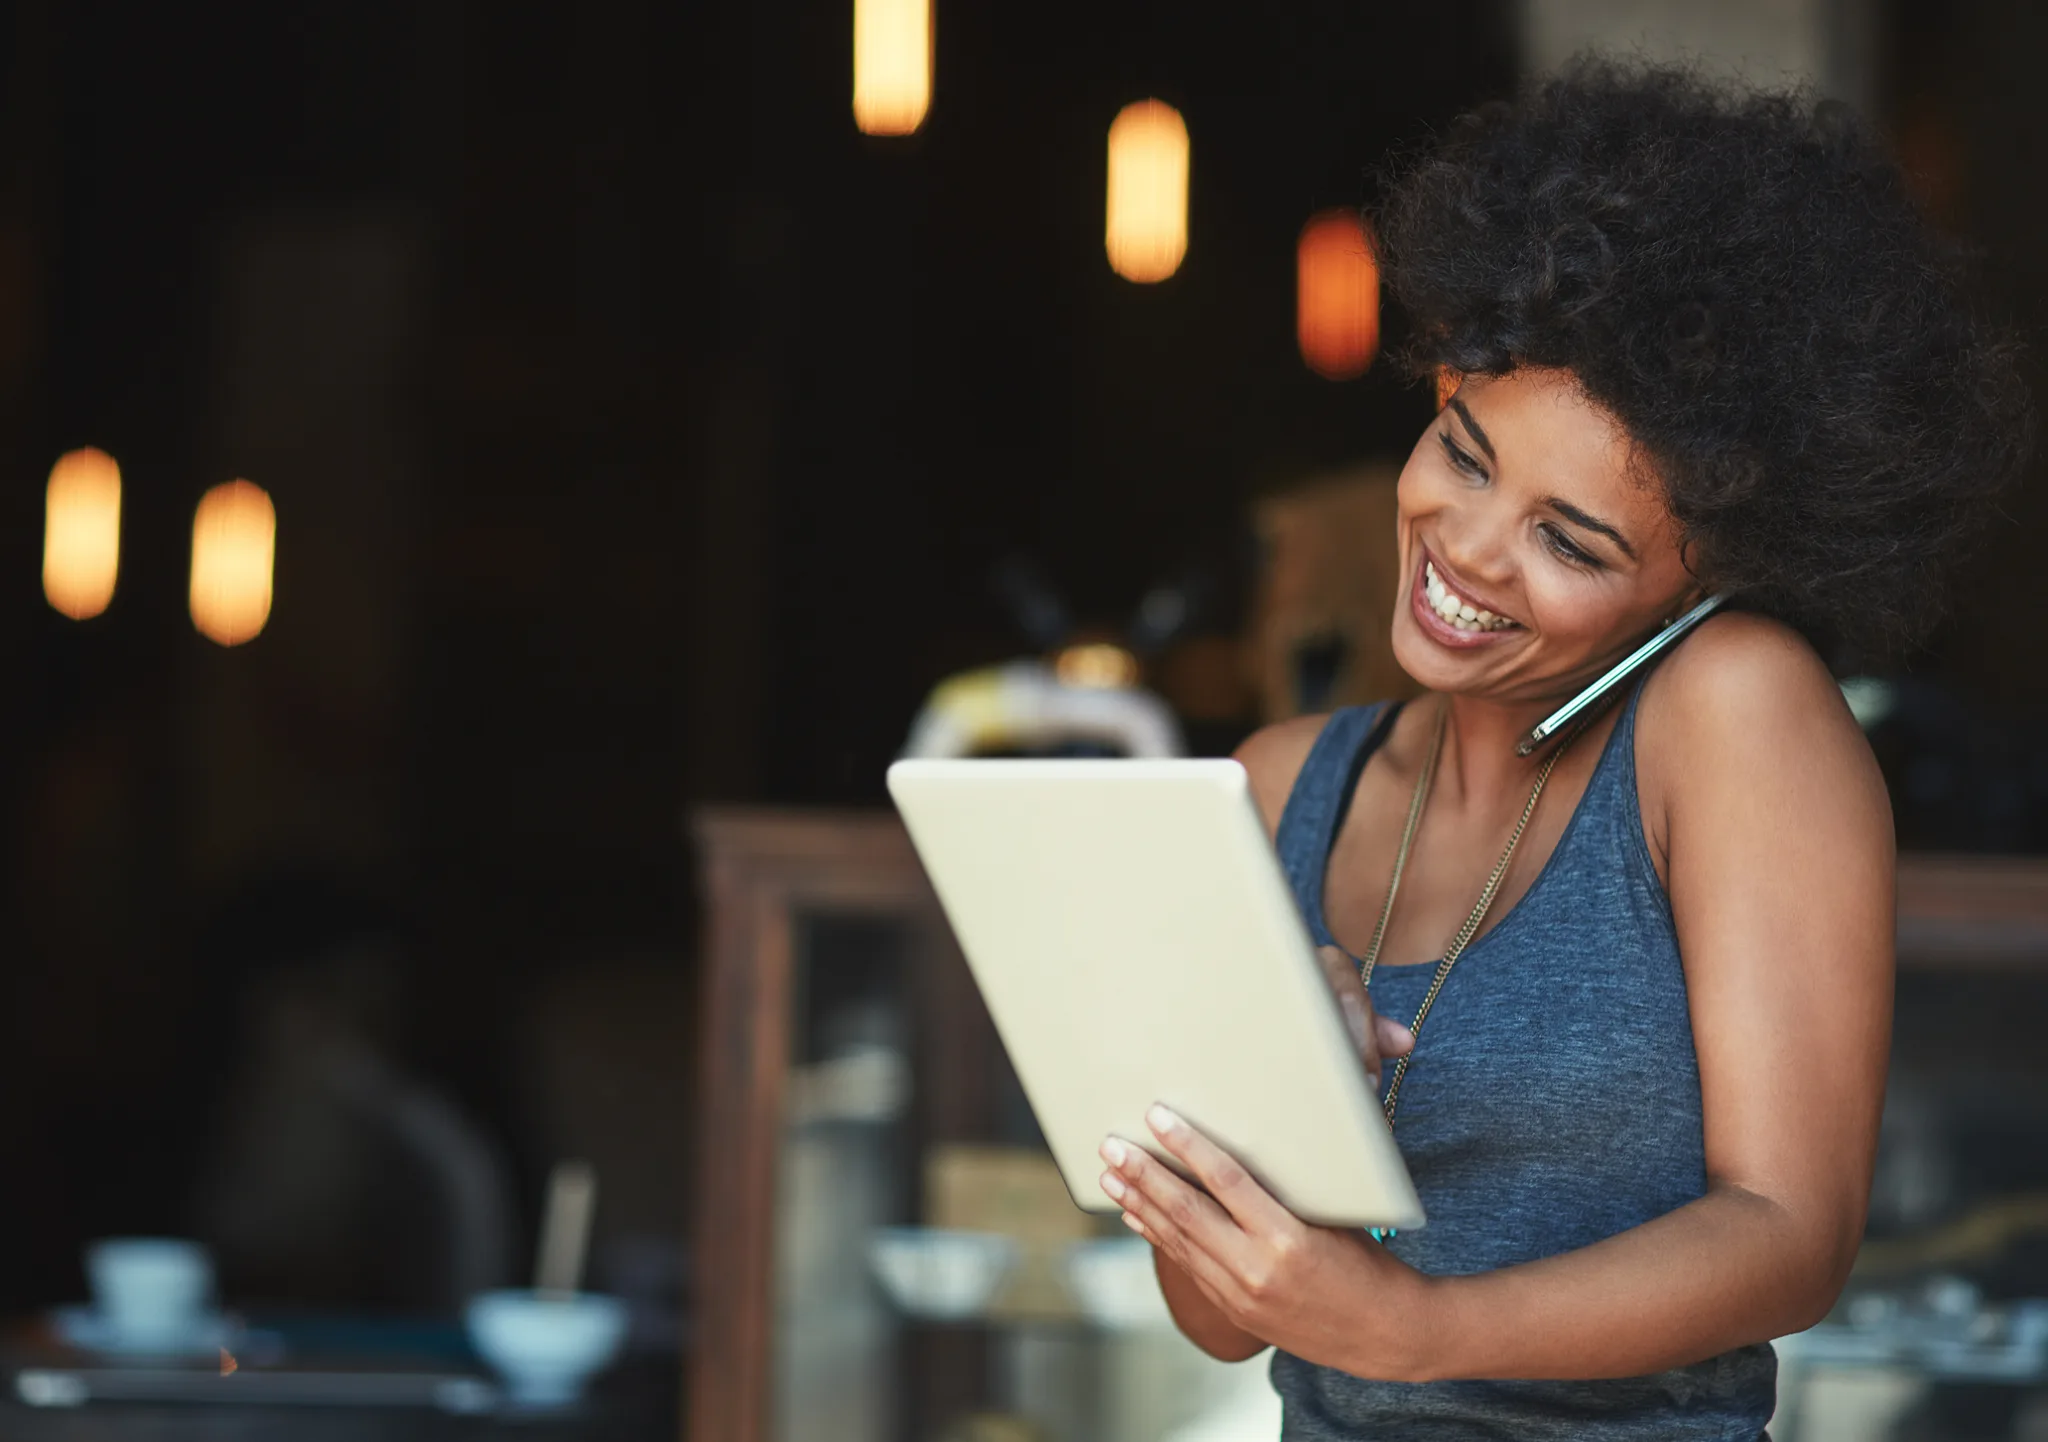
1479, 763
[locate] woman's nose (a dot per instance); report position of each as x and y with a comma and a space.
1474, 548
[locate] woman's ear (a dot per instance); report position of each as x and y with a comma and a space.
1692, 596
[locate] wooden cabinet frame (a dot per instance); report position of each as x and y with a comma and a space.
1973, 913
761, 871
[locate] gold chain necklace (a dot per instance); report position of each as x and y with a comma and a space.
1472, 922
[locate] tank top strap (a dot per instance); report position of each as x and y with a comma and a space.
1613, 802
1613, 781
1321, 797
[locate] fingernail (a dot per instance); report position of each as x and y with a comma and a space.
1115, 1152
1372, 1079
1113, 1185
1134, 1224
1161, 1119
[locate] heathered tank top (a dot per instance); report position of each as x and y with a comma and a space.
1554, 1100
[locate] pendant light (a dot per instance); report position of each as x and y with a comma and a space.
234, 545
82, 533
892, 65
1146, 222
1337, 296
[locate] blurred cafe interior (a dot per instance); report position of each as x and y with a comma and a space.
489, 490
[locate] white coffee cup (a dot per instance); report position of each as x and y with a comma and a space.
149, 1288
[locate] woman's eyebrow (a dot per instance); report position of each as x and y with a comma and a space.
1478, 435
1591, 523
1563, 507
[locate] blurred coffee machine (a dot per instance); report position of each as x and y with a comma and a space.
1081, 695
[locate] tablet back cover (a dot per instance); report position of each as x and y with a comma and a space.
1135, 941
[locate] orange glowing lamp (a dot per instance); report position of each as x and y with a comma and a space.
1146, 225
82, 533
892, 65
1337, 296
234, 547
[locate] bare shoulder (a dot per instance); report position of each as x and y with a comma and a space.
1745, 707
1737, 674
1735, 663
1273, 756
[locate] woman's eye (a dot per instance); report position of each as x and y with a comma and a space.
1462, 459
1562, 546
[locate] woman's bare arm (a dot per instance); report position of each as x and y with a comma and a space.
1775, 822
1778, 843
1272, 758
1200, 1320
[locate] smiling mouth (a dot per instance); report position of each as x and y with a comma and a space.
1456, 611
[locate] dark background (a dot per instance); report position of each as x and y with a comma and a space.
642, 435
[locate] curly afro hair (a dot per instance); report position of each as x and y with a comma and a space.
1742, 280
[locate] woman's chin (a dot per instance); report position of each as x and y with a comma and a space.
1430, 666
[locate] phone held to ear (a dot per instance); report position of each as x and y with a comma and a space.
1584, 703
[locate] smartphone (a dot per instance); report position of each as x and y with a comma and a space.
1583, 704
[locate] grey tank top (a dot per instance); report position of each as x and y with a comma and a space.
1554, 1100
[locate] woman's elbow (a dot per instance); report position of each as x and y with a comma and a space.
1827, 1288
1812, 1250
1240, 1348
1814, 1287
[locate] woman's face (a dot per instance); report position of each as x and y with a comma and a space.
1521, 516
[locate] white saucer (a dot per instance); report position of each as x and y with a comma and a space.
201, 1336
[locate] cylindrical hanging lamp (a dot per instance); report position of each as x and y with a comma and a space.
1146, 223
234, 545
892, 65
82, 533
1337, 296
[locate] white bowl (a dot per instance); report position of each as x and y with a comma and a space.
150, 1290
934, 1272
203, 1335
546, 1346
1116, 1284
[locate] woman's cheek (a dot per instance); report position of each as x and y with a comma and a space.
1570, 614
1562, 619
1419, 487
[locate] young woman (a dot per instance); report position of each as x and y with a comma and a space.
1702, 343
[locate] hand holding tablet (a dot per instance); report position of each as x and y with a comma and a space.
1136, 943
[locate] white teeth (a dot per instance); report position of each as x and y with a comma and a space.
1454, 608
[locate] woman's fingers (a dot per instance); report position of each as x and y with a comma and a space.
1352, 1002
1176, 1213
1375, 1036
1249, 1205
1156, 1225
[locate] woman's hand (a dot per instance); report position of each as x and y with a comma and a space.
1325, 1295
1378, 1038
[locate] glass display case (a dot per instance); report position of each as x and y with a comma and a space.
884, 1249
1942, 1332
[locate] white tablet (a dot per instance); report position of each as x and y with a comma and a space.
1136, 942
